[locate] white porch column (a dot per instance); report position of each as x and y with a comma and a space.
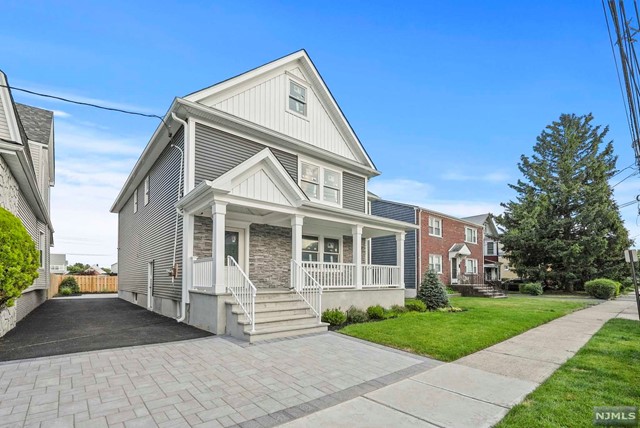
296, 237
357, 254
187, 254
400, 256
218, 214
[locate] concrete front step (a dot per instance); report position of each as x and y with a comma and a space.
277, 332
277, 321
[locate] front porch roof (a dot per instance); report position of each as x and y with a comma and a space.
260, 190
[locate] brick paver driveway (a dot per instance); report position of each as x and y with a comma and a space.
214, 381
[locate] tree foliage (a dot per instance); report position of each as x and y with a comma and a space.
432, 292
564, 226
77, 268
19, 258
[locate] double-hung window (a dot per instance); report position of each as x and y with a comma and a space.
316, 248
471, 266
435, 263
297, 98
135, 201
435, 226
322, 184
146, 190
471, 235
491, 248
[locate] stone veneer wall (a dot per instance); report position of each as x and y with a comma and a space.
9, 190
347, 249
7, 320
202, 236
269, 255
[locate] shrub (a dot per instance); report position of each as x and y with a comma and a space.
355, 315
70, 283
533, 288
19, 258
450, 309
432, 292
602, 288
375, 312
626, 284
66, 291
334, 316
399, 309
415, 305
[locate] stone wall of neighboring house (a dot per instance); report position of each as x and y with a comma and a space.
453, 232
269, 255
7, 320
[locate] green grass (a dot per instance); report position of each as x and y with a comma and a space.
605, 372
448, 336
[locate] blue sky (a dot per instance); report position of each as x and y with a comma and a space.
445, 96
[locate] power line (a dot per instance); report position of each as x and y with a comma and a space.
628, 176
67, 100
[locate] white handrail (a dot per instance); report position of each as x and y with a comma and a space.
309, 290
332, 275
203, 272
241, 287
380, 276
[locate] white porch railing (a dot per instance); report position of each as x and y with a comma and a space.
241, 287
307, 287
332, 275
203, 272
380, 276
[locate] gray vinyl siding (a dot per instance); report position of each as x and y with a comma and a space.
28, 217
148, 235
217, 152
353, 192
43, 280
35, 158
383, 249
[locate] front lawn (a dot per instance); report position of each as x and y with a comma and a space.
605, 372
448, 336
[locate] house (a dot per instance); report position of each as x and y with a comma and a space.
507, 272
94, 270
27, 172
450, 246
492, 262
246, 213
114, 268
58, 264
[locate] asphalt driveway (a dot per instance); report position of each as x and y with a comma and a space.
76, 325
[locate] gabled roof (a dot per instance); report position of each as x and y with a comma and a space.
484, 220
459, 249
477, 219
323, 93
37, 122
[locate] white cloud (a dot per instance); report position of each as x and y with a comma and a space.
399, 189
59, 114
492, 177
80, 139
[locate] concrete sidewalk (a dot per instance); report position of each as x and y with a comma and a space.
477, 390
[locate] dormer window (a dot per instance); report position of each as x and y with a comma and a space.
297, 98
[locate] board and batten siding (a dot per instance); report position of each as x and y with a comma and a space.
148, 235
354, 192
4, 124
266, 103
383, 249
217, 152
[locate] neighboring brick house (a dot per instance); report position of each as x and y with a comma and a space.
271, 184
450, 246
27, 171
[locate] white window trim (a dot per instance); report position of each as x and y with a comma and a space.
321, 239
321, 167
475, 235
135, 201
493, 253
288, 89
147, 189
429, 226
42, 243
475, 266
439, 271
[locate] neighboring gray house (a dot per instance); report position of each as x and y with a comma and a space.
114, 268
27, 171
58, 263
272, 211
492, 257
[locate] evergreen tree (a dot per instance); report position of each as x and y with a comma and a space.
432, 292
564, 226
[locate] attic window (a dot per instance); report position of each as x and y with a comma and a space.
297, 98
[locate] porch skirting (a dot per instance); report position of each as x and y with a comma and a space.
362, 299
207, 311
167, 307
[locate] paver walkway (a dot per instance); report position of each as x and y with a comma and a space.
477, 390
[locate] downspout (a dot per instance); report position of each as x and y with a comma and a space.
183, 300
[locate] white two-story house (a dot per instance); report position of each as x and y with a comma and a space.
246, 212
27, 173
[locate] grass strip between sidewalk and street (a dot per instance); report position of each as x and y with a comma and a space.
605, 372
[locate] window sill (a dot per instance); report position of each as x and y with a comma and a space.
298, 115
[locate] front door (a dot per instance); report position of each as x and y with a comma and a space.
454, 270
234, 246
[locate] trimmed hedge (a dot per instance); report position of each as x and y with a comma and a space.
602, 288
533, 288
334, 316
375, 312
355, 315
